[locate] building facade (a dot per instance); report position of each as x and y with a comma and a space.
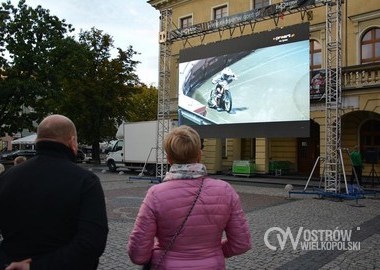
360, 80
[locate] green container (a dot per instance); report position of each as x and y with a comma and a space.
284, 166
243, 167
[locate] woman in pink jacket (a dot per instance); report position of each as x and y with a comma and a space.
214, 224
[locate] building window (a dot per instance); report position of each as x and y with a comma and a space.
260, 3
370, 140
315, 55
186, 22
220, 12
370, 46
224, 148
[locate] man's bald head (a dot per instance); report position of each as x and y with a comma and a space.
58, 128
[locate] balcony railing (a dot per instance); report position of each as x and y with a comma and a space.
361, 76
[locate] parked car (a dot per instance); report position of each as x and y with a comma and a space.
4, 151
84, 155
80, 156
8, 158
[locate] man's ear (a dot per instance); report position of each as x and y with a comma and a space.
73, 144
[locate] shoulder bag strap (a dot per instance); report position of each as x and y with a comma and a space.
180, 227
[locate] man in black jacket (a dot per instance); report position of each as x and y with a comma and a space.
52, 212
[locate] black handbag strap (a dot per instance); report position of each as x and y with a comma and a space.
180, 227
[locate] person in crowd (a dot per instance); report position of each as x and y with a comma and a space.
53, 213
357, 165
195, 208
18, 160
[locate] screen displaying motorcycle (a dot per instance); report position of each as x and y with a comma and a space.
250, 86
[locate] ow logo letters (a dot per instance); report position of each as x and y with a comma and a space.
282, 236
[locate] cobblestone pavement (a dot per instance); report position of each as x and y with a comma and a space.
322, 222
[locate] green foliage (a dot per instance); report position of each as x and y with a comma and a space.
27, 36
97, 98
96, 93
144, 104
44, 70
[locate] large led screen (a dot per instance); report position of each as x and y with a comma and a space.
251, 86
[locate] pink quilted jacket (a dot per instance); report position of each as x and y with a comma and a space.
202, 244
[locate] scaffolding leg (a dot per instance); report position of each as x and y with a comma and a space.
373, 175
343, 170
146, 161
321, 178
312, 172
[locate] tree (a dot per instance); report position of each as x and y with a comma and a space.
96, 95
44, 70
27, 36
143, 104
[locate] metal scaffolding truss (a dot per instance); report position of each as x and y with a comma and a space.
163, 102
249, 18
333, 161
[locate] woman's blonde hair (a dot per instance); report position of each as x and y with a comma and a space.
182, 145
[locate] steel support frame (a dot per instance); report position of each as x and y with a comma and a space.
333, 65
163, 100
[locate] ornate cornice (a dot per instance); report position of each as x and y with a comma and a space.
365, 16
164, 4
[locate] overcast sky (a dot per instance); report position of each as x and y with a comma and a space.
129, 22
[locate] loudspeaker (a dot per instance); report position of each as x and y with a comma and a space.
371, 156
163, 36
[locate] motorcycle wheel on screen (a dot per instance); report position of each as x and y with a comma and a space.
226, 101
211, 101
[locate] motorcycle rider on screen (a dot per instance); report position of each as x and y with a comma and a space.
222, 81
219, 89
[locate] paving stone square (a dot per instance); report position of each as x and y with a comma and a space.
266, 207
